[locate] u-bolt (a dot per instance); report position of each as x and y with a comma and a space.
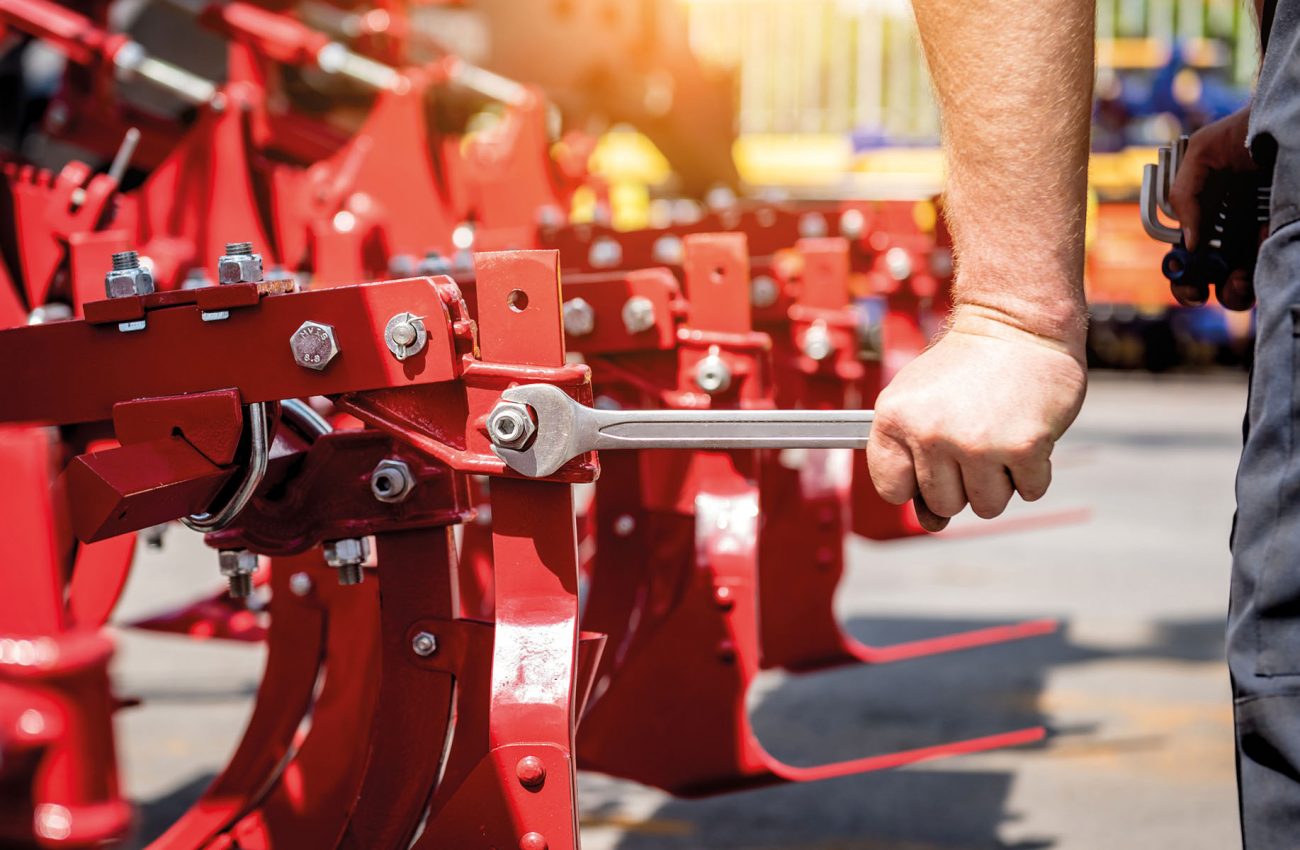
259, 453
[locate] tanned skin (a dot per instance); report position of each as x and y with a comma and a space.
974, 419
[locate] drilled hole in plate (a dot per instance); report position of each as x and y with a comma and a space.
719, 275
518, 300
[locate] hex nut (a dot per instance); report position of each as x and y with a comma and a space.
314, 345
898, 263
605, 253
236, 562
391, 481
817, 342
712, 374
123, 283
424, 644
638, 314
579, 317
669, 250
348, 552
852, 224
239, 268
510, 425
763, 291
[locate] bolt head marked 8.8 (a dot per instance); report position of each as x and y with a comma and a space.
314, 345
510, 425
391, 481
405, 335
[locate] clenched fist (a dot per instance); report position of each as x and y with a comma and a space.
973, 420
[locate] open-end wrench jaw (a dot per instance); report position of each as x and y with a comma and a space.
557, 438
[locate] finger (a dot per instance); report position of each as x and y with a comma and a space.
988, 487
1032, 478
939, 479
1190, 294
1185, 194
891, 468
1238, 291
928, 519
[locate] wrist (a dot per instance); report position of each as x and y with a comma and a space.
1062, 328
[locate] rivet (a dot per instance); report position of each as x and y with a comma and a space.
531, 772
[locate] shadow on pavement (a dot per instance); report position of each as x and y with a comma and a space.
857, 711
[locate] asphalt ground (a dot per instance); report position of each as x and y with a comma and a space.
1129, 551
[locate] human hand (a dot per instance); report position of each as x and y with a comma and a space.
974, 419
1218, 148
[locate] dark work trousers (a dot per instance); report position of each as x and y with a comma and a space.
1264, 615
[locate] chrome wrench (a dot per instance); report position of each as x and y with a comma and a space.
537, 428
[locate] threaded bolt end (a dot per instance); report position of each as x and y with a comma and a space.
351, 574
239, 249
241, 586
125, 260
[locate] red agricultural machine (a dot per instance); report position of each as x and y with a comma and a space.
369, 359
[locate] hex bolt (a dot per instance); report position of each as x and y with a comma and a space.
638, 314
763, 291
314, 345
669, 250
579, 317
510, 425
300, 584
424, 644
347, 555
128, 278
238, 566
812, 225
625, 525
605, 253
239, 264
405, 335
551, 217
898, 263
391, 481
852, 224
817, 342
712, 374
433, 263
530, 772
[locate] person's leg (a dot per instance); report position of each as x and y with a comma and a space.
1264, 618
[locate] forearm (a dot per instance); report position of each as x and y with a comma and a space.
1014, 84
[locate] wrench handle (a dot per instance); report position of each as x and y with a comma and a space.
727, 429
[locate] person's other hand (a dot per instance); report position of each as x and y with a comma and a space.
974, 419
1218, 148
